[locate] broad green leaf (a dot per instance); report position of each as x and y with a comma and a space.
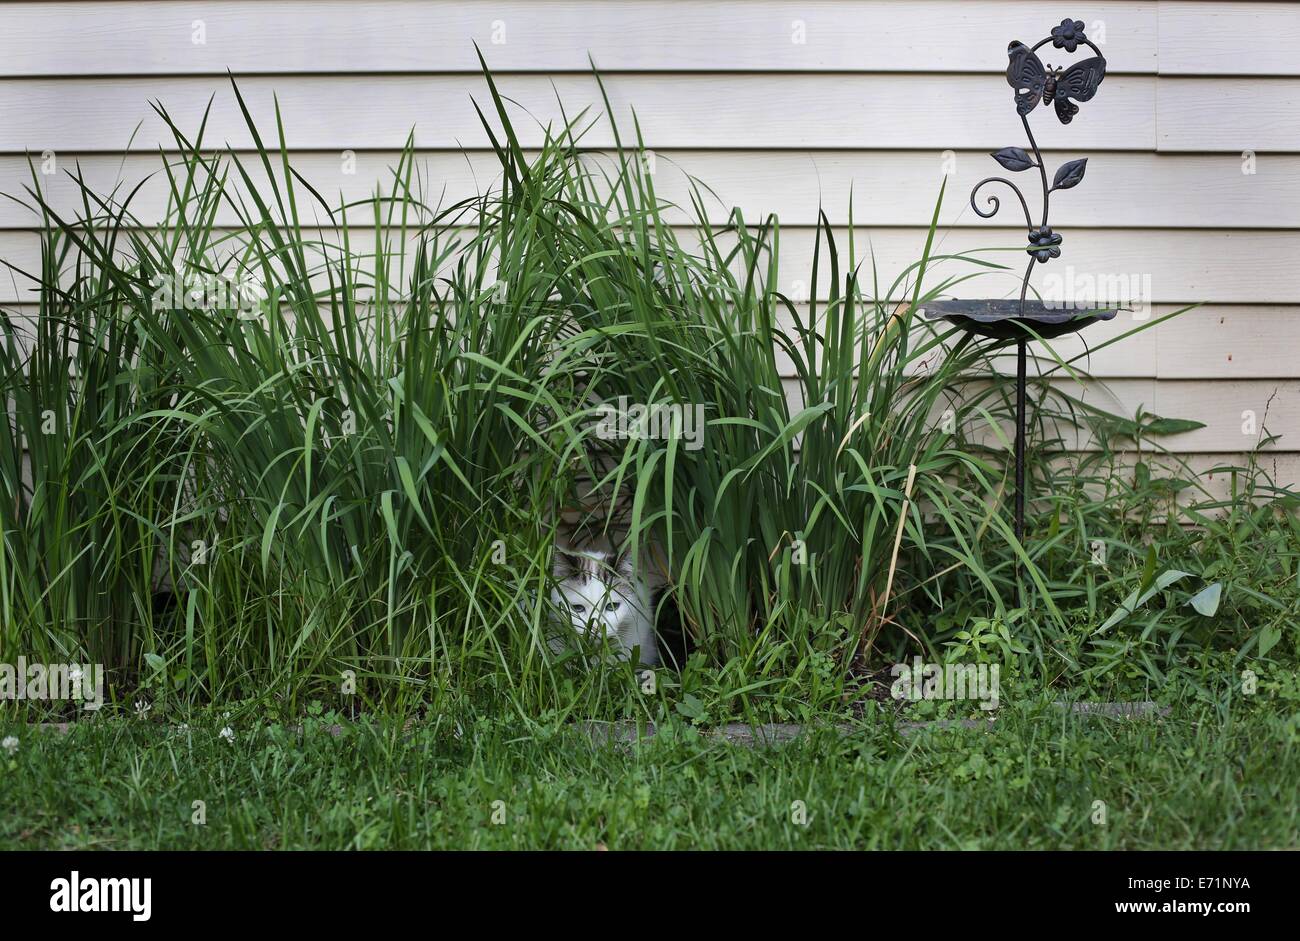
1171, 426
1206, 601
1137, 598
1268, 639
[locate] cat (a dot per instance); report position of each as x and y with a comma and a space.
605, 599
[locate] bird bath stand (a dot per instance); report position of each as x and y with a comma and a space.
1022, 320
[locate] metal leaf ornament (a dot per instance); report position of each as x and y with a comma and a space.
1070, 174
1014, 159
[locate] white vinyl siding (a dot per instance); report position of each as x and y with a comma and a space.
881, 100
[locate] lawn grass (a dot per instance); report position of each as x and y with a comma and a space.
1210, 776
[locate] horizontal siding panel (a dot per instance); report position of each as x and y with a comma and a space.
688, 111
1228, 114
546, 36
1234, 412
888, 188
1182, 266
1121, 190
1238, 342
1168, 267
750, 111
1231, 343
1228, 38
1223, 406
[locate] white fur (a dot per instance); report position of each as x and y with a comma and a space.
605, 601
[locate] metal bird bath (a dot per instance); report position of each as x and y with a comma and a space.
1021, 321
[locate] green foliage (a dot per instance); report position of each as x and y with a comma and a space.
268, 498
1217, 774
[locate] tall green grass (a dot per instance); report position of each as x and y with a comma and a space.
355, 473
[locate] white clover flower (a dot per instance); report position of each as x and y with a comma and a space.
142, 708
75, 674
9, 743
228, 734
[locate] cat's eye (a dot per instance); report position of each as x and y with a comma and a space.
579, 609
612, 606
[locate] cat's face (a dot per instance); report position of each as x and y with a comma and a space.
595, 608
589, 590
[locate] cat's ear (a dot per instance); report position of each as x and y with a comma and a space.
623, 564
564, 564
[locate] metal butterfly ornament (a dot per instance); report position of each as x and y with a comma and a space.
1034, 82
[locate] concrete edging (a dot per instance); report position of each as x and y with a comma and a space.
775, 733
